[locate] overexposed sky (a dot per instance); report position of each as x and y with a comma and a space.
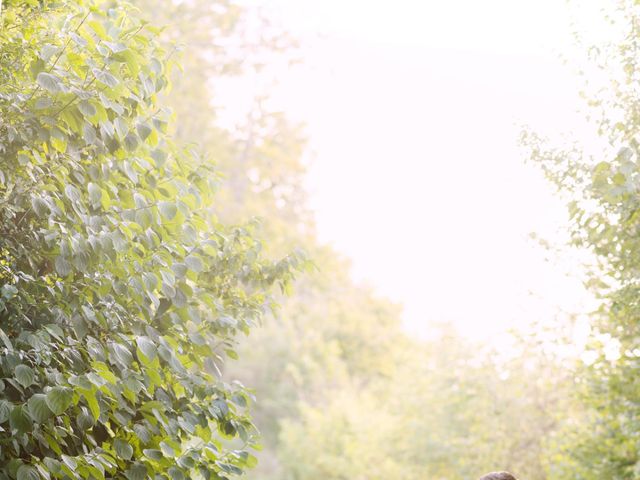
413, 111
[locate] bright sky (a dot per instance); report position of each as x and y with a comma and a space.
412, 108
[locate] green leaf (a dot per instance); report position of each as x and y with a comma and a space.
72, 193
69, 462
168, 209
105, 372
59, 399
98, 27
130, 59
5, 410
51, 464
5, 339
8, 291
19, 420
122, 353
239, 400
63, 267
27, 472
153, 454
167, 450
36, 67
176, 474
92, 402
24, 375
86, 108
619, 179
55, 330
136, 472
251, 461
143, 131
105, 78
186, 462
131, 141
95, 193
39, 206
121, 126
85, 420
194, 263
150, 281
123, 449
115, 47
43, 102
59, 144
89, 133
38, 409
142, 433
147, 347
49, 82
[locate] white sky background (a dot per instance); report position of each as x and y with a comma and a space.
413, 110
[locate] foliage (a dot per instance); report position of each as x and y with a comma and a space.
121, 292
602, 192
448, 411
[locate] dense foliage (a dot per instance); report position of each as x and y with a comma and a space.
121, 293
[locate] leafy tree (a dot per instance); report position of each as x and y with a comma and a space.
601, 187
121, 292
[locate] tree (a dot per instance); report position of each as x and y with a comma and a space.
451, 409
601, 188
122, 294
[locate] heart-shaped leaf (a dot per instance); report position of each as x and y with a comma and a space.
123, 449
24, 375
38, 408
58, 399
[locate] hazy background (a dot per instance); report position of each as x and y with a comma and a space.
446, 331
413, 110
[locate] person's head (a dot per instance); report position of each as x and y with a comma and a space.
498, 476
